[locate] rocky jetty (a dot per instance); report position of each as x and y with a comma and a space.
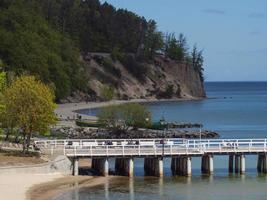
93, 133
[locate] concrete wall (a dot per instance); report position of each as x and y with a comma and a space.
60, 165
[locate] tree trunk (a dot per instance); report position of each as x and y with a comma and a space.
28, 141
24, 143
7, 136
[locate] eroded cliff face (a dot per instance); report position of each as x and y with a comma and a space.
164, 79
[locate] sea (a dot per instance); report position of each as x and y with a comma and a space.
234, 110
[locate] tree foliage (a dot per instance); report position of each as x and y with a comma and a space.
28, 44
45, 38
121, 117
29, 104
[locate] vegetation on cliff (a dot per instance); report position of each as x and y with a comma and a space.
47, 37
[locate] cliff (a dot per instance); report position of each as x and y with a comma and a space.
163, 79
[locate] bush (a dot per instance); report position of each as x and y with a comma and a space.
82, 123
109, 67
167, 94
121, 117
116, 54
138, 70
107, 93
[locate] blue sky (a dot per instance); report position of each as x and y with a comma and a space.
233, 33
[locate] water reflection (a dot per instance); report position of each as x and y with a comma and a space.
131, 188
106, 189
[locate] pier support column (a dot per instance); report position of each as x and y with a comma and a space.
153, 166
237, 163
101, 166
182, 165
105, 167
207, 166
261, 167
188, 166
124, 166
160, 167
131, 167
75, 166
231, 164
242, 164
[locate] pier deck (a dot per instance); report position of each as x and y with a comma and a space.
181, 152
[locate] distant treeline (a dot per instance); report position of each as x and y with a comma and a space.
47, 37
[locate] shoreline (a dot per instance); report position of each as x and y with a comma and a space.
66, 112
55, 188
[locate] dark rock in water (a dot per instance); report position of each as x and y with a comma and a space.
91, 133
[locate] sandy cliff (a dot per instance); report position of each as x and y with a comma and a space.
164, 79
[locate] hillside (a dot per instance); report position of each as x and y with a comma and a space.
164, 79
51, 39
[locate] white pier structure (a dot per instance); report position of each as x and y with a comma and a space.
181, 152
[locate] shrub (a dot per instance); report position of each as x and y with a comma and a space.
121, 117
116, 54
167, 94
107, 93
138, 70
109, 67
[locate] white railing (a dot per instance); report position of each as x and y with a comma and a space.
146, 147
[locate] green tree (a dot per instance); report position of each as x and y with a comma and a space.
154, 40
29, 104
197, 60
175, 48
122, 117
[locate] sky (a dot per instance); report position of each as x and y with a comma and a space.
232, 33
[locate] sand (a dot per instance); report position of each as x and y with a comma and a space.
15, 186
53, 189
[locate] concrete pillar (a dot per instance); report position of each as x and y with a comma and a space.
125, 166
242, 164
211, 166
237, 163
188, 166
182, 165
262, 167
100, 166
131, 167
231, 164
105, 166
259, 164
179, 166
207, 166
160, 167
153, 166
75, 166
173, 163
263, 163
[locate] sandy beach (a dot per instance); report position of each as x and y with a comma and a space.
42, 186
15, 186
52, 189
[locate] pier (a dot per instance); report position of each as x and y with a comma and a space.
181, 152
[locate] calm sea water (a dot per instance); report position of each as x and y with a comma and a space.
235, 110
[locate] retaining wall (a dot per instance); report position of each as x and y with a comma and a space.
60, 165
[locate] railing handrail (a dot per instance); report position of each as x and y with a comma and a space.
182, 146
